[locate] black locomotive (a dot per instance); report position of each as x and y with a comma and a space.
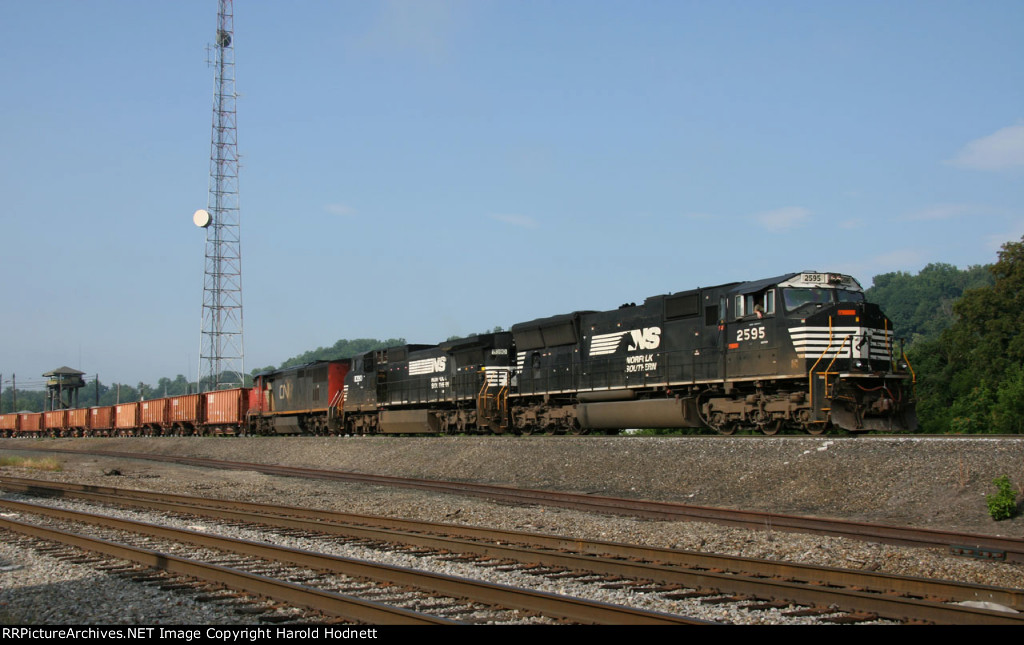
801, 350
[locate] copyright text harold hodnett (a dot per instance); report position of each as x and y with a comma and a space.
191, 634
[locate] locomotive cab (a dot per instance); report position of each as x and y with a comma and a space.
846, 348
806, 350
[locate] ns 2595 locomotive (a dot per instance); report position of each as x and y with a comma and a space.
802, 350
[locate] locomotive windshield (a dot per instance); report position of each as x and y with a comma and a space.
794, 298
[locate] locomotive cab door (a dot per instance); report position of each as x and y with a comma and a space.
751, 335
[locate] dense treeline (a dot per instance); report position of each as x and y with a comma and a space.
966, 341
964, 332
921, 306
970, 378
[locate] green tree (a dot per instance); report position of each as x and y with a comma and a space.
166, 387
1008, 409
975, 367
921, 306
27, 400
930, 359
972, 413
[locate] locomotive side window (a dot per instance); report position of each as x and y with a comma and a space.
759, 304
740, 307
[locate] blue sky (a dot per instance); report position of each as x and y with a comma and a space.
431, 168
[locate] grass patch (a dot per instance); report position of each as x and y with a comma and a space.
46, 463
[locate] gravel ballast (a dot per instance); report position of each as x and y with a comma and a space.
925, 482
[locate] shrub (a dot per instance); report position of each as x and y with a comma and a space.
1002, 505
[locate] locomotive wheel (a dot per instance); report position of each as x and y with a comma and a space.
772, 427
816, 428
720, 424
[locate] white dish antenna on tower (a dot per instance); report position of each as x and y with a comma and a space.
201, 218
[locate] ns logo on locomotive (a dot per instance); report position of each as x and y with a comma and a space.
802, 350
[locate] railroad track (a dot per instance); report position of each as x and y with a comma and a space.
967, 544
842, 594
306, 581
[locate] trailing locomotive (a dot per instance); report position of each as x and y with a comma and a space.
801, 351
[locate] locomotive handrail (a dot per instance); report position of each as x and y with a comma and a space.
828, 369
337, 399
812, 374
810, 380
913, 375
500, 399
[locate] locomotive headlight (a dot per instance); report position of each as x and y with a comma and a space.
859, 365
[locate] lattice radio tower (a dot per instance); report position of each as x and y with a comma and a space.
221, 356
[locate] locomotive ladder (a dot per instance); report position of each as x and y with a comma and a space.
827, 386
335, 407
492, 407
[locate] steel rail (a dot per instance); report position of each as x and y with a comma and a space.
802, 584
548, 604
297, 595
993, 547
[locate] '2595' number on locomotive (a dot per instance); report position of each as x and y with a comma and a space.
751, 333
